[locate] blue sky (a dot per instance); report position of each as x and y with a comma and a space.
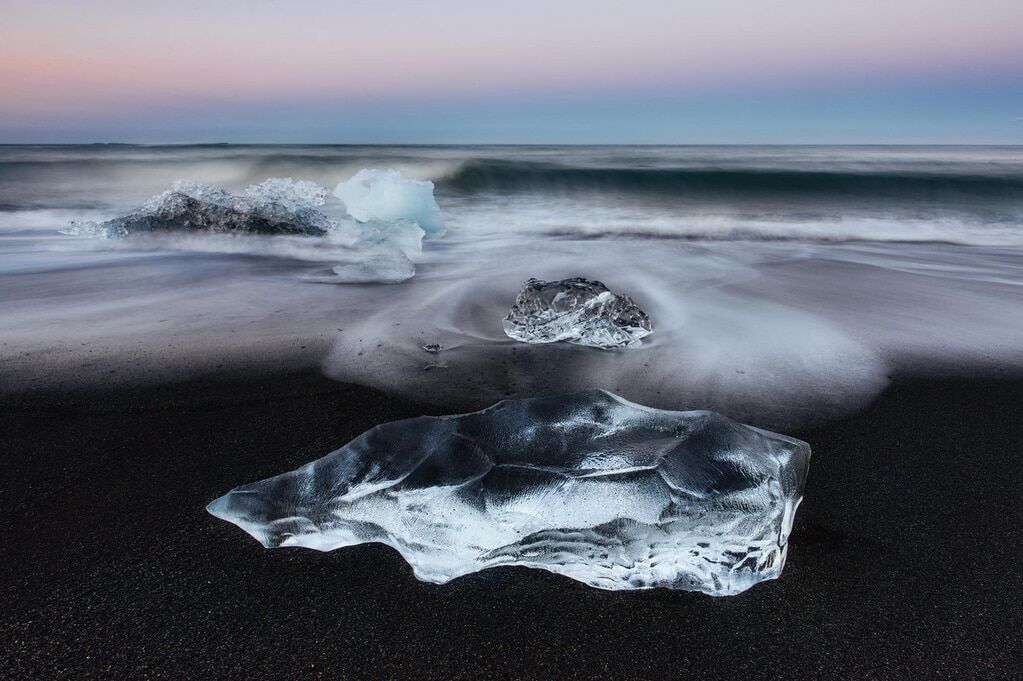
562, 71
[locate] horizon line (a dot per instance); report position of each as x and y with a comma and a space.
513, 144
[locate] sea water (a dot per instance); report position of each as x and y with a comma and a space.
784, 284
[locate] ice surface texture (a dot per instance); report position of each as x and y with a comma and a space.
384, 195
576, 310
277, 206
588, 485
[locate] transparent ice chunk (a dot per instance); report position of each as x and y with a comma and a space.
607, 492
401, 235
377, 268
577, 310
287, 194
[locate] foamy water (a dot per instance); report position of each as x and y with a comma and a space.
784, 284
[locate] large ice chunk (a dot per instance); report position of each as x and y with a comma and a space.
277, 206
576, 310
384, 195
610, 493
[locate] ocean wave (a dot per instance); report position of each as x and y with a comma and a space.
833, 231
727, 183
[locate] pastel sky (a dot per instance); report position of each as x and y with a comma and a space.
455, 71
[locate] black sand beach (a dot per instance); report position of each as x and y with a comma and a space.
904, 559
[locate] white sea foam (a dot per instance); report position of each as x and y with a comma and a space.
720, 340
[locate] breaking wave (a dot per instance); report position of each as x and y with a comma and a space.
512, 176
836, 230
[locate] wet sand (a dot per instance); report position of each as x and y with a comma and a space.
904, 561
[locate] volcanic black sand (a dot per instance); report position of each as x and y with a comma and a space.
905, 560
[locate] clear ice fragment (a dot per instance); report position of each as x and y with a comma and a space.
377, 268
577, 310
590, 486
400, 235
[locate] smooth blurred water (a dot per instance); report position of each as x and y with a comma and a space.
784, 283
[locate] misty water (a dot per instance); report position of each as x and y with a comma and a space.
784, 284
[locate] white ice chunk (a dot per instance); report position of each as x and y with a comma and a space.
604, 491
384, 195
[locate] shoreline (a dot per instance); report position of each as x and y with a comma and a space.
899, 561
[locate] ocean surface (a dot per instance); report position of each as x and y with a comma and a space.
785, 284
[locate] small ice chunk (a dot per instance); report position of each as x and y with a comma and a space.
89, 229
433, 347
384, 195
376, 268
576, 310
590, 486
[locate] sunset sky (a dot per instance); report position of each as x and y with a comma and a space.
646, 71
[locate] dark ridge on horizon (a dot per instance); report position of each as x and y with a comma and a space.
494, 175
